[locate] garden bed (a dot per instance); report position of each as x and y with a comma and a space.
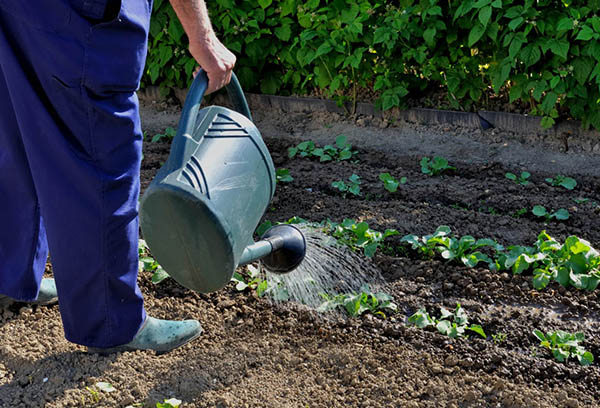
257, 354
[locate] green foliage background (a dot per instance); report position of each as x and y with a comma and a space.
544, 53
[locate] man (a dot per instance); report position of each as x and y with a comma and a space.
70, 152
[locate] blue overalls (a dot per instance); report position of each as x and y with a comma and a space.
70, 153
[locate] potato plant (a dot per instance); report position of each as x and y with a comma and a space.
522, 179
147, 263
562, 181
452, 324
357, 235
564, 345
352, 186
357, 303
435, 166
390, 183
340, 150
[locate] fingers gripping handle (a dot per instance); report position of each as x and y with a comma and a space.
195, 95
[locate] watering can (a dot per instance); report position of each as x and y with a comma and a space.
199, 213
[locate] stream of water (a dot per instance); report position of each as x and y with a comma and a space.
328, 269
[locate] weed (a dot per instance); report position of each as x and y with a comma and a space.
436, 166
519, 213
452, 324
356, 304
358, 235
390, 183
564, 345
499, 338
168, 135
283, 176
352, 187
560, 214
562, 181
522, 179
147, 263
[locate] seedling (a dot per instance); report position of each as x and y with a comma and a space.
304, 149
169, 403
358, 235
356, 304
251, 279
436, 166
452, 324
352, 187
168, 135
519, 213
147, 263
390, 183
560, 214
522, 179
283, 176
562, 181
564, 345
341, 150
465, 249
499, 338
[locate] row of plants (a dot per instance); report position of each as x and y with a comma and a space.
542, 54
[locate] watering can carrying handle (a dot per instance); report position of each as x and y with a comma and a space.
195, 95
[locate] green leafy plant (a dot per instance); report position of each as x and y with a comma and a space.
564, 345
283, 176
148, 263
519, 213
575, 263
358, 235
560, 214
350, 187
168, 135
465, 249
169, 403
562, 181
435, 166
341, 150
251, 278
452, 324
355, 304
499, 338
522, 179
390, 183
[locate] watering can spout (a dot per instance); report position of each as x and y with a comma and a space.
281, 249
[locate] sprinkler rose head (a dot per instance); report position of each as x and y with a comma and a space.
289, 247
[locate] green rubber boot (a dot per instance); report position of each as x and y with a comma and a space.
47, 295
158, 335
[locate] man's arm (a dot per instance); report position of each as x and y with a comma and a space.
212, 56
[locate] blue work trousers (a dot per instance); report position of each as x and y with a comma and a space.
70, 153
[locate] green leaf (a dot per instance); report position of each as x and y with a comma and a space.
429, 35
265, 3
585, 34
443, 326
549, 101
284, 32
582, 67
159, 275
539, 335
539, 211
105, 387
561, 214
564, 24
547, 122
530, 54
559, 47
475, 34
477, 329
484, 15
515, 23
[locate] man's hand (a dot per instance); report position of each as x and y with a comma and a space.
212, 56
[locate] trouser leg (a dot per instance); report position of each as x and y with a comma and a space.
81, 134
23, 246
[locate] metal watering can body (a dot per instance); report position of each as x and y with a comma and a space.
200, 211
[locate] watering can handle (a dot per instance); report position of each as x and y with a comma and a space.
196, 93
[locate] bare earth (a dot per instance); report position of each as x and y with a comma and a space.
255, 354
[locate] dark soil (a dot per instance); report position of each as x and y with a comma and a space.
256, 354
